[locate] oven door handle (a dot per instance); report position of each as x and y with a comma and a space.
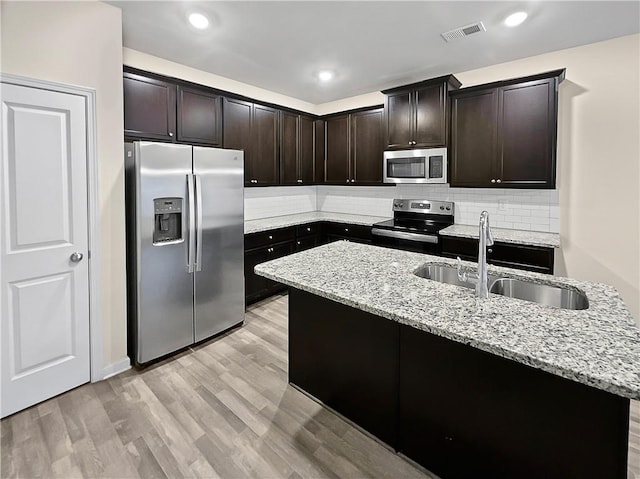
421, 238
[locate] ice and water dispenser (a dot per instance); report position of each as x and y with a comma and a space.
167, 226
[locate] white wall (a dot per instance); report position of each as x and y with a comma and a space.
80, 43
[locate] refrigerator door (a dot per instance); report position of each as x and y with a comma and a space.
164, 319
219, 276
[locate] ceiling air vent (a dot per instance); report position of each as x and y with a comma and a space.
462, 32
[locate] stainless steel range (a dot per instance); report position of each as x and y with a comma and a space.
415, 225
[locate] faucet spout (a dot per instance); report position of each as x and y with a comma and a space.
485, 240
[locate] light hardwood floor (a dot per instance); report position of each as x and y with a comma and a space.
223, 409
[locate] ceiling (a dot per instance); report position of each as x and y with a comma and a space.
281, 46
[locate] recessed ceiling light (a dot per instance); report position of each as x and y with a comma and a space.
199, 21
515, 19
325, 75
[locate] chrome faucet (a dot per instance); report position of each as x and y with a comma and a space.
480, 278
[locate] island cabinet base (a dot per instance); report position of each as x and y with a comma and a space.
458, 411
468, 413
346, 358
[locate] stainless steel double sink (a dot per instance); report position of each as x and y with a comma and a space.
557, 296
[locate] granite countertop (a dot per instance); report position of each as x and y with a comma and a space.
599, 346
265, 224
531, 238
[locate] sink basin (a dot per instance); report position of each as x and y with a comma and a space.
548, 295
445, 274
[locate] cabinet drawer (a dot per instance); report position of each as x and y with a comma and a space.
255, 240
349, 231
309, 229
530, 258
307, 242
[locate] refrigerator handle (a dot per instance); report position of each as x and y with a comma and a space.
198, 263
191, 224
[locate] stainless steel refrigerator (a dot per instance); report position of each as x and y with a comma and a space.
185, 245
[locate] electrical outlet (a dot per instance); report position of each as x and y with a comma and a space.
502, 205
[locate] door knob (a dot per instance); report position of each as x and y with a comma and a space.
76, 257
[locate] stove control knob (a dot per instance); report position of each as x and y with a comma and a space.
401, 204
448, 208
442, 208
395, 205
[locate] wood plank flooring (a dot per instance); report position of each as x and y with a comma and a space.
220, 410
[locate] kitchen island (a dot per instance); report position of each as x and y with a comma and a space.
464, 386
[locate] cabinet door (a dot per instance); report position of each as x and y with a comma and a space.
265, 145
319, 150
473, 138
527, 134
275, 252
254, 286
399, 119
305, 150
367, 146
199, 117
288, 148
237, 133
429, 107
337, 145
149, 108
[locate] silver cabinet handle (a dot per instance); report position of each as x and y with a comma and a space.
299, 181
298, 242
346, 230
170, 133
270, 237
347, 180
493, 181
353, 180
254, 181
498, 180
76, 257
308, 229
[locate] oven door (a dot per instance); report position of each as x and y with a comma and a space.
406, 241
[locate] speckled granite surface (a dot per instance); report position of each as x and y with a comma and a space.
264, 224
599, 346
532, 238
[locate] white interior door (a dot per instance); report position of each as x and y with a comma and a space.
44, 297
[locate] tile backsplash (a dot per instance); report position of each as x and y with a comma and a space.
535, 210
278, 201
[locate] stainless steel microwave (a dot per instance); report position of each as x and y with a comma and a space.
415, 166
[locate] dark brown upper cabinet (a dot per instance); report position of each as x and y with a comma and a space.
149, 108
296, 149
319, 150
199, 116
254, 129
416, 115
503, 134
354, 144
367, 145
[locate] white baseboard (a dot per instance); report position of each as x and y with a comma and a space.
116, 367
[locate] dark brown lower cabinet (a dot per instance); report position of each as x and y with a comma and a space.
261, 247
530, 258
458, 411
465, 413
346, 358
